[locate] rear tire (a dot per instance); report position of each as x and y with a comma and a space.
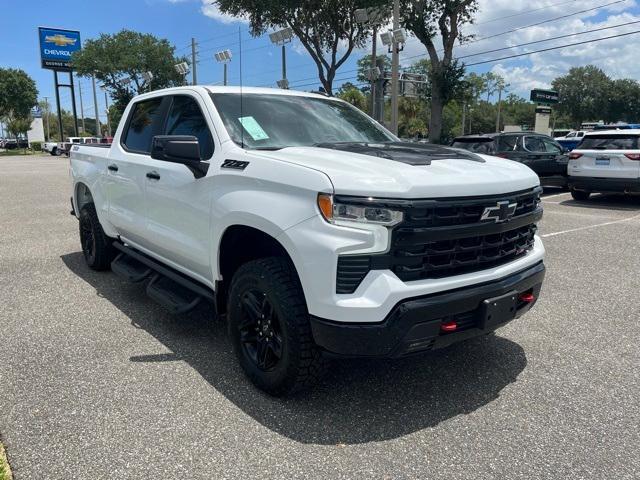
580, 195
269, 327
97, 248
54, 152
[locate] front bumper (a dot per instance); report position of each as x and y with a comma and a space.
605, 185
414, 325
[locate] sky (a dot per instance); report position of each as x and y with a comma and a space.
506, 22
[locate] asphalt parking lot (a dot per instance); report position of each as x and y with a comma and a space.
97, 381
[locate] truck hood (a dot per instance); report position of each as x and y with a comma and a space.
410, 173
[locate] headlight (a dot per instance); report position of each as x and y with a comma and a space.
344, 212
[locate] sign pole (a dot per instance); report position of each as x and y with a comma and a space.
73, 104
60, 129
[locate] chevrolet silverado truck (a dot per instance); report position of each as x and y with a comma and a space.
307, 226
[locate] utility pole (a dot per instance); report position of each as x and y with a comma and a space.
95, 107
46, 117
464, 117
84, 129
501, 87
106, 103
194, 63
395, 64
373, 73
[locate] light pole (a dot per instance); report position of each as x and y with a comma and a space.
282, 37
182, 69
95, 107
46, 117
372, 17
224, 57
394, 40
84, 130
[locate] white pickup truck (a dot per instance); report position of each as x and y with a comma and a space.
311, 228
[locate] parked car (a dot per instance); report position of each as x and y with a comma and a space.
51, 147
311, 227
65, 147
618, 126
606, 161
571, 139
539, 152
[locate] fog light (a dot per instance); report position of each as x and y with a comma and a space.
527, 297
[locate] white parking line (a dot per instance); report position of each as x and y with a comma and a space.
553, 234
555, 195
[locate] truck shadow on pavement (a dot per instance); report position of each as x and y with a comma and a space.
358, 401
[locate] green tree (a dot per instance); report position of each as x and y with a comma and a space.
115, 58
583, 94
428, 19
517, 111
326, 28
18, 95
350, 93
364, 67
622, 101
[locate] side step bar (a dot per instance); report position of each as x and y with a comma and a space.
170, 288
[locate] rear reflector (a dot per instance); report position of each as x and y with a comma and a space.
448, 326
574, 156
527, 297
632, 156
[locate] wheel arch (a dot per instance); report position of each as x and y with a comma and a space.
238, 245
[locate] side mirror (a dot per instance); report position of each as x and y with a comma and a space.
182, 149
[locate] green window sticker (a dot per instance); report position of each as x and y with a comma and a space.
253, 128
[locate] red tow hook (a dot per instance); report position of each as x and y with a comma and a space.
527, 297
449, 326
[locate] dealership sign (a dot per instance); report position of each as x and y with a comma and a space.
57, 46
544, 96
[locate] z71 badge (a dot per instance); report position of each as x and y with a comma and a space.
235, 164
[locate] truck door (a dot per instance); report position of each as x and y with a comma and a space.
178, 204
129, 161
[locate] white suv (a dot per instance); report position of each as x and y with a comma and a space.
605, 161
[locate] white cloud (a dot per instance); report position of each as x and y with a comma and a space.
211, 10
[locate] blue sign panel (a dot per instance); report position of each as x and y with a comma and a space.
57, 46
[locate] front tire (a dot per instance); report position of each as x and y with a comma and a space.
54, 152
269, 327
97, 247
580, 195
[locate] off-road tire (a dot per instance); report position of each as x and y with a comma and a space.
301, 363
97, 247
580, 195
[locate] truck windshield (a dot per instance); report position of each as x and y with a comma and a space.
272, 122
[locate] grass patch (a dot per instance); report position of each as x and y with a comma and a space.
5, 470
18, 153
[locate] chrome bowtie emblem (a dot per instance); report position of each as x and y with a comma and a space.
502, 212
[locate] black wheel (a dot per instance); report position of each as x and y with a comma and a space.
269, 327
580, 195
96, 246
54, 152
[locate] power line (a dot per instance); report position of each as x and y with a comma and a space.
554, 48
495, 19
549, 39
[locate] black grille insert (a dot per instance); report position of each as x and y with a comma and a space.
441, 238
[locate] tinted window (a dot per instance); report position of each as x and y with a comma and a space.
277, 121
551, 147
185, 118
609, 142
475, 145
143, 125
507, 143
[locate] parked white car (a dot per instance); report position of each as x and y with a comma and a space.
314, 230
607, 161
51, 147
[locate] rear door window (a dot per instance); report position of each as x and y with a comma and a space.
507, 143
609, 142
144, 123
551, 147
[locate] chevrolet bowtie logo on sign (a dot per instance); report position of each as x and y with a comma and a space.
502, 212
60, 40
57, 47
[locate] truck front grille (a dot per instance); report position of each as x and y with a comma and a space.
442, 238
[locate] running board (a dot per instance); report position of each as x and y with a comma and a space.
170, 288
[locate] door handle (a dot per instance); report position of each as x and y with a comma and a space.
153, 175
113, 167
